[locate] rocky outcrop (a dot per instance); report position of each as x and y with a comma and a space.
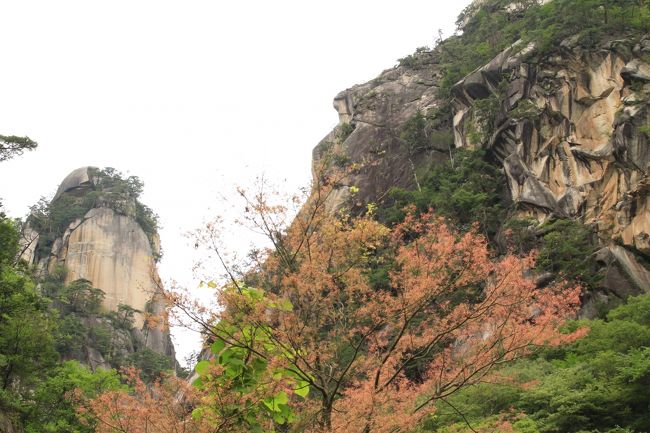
569, 133
376, 111
78, 181
570, 130
112, 251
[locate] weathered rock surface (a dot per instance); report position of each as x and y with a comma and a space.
28, 242
377, 110
570, 133
78, 180
112, 251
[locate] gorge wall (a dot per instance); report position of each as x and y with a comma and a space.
569, 130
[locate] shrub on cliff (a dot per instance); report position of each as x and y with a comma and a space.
466, 189
489, 27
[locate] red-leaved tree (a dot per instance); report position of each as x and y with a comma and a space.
160, 407
454, 314
375, 360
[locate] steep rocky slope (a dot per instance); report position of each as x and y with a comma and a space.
569, 133
101, 240
568, 127
371, 116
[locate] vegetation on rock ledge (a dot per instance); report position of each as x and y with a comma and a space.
109, 188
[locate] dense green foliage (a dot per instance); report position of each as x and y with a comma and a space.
566, 248
26, 325
465, 189
110, 188
150, 364
597, 384
33, 337
239, 379
490, 27
55, 399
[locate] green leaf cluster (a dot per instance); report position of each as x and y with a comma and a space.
244, 370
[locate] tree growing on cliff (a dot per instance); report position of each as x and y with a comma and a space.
13, 145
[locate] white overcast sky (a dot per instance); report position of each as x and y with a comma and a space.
192, 96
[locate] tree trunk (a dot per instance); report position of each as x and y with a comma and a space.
326, 415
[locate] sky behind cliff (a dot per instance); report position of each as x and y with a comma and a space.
193, 97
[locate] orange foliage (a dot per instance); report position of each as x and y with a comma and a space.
376, 360
455, 310
159, 408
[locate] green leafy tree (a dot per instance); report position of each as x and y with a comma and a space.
249, 393
27, 327
55, 401
150, 364
80, 296
26, 324
567, 249
71, 337
124, 317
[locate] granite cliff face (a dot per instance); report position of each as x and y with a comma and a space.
570, 131
570, 135
109, 248
377, 111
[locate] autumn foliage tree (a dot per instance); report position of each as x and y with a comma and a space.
376, 360
454, 314
160, 407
